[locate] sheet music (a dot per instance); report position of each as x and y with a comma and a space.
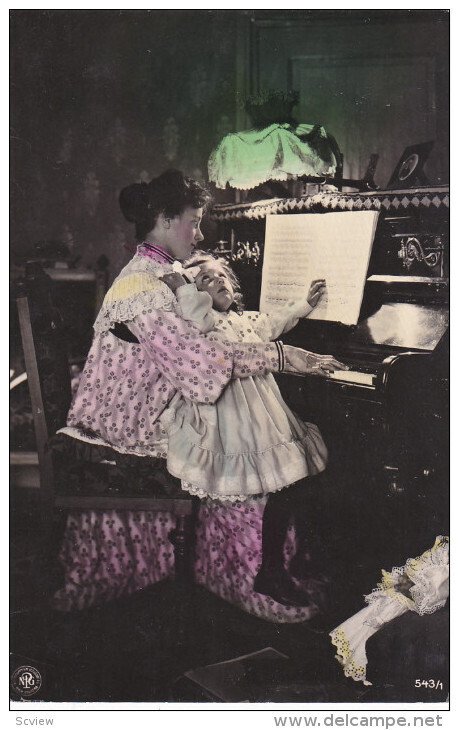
331, 246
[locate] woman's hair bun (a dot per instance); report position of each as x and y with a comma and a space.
169, 193
134, 202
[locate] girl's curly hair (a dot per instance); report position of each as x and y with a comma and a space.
204, 257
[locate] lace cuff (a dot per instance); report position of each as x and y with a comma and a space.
350, 637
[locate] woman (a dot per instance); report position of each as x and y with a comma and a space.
143, 351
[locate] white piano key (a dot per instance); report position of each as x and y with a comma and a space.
353, 376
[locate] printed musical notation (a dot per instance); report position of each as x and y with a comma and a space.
331, 246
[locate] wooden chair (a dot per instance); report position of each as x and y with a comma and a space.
48, 373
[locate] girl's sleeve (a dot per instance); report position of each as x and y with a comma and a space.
260, 323
200, 365
273, 325
195, 306
287, 317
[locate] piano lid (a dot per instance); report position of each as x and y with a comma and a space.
402, 324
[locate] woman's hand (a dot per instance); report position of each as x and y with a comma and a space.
310, 363
173, 280
316, 290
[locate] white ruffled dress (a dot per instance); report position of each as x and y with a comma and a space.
247, 443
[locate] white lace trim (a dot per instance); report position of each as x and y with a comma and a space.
203, 494
124, 310
357, 670
389, 588
429, 574
350, 637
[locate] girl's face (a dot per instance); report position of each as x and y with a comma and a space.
213, 279
184, 233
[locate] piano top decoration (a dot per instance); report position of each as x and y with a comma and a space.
244, 160
394, 200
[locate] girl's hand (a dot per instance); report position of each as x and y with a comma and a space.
310, 363
173, 280
316, 290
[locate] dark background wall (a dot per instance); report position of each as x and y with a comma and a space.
377, 80
102, 98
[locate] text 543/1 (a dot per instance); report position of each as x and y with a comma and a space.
429, 683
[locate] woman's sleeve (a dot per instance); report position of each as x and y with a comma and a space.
199, 365
195, 306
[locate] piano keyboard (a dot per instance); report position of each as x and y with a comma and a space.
353, 376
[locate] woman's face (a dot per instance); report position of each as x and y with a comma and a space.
213, 279
184, 233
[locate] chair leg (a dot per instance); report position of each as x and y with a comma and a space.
51, 570
182, 539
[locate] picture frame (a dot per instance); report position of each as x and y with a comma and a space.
409, 171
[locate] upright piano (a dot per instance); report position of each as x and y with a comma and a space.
385, 420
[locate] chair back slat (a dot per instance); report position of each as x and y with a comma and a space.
36, 397
50, 345
47, 366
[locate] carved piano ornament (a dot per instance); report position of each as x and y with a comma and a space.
385, 419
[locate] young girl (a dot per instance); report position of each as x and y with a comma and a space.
248, 442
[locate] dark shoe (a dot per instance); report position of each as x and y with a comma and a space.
280, 587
